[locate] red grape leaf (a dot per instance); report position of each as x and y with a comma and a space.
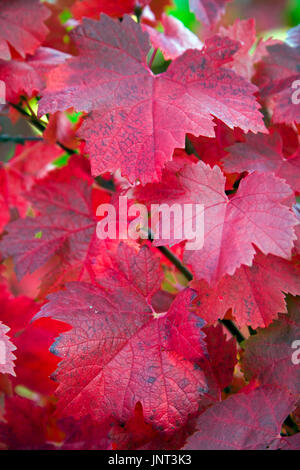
60, 129
254, 293
278, 68
85, 434
289, 442
57, 37
19, 78
65, 226
222, 354
264, 153
93, 8
6, 351
19, 174
27, 425
29, 76
175, 39
254, 215
208, 11
120, 351
211, 149
245, 59
138, 435
245, 421
276, 74
268, 355
45, 59
133, 113
135, 434
34, 363
19, 29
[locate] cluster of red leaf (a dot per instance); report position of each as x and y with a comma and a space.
143, 350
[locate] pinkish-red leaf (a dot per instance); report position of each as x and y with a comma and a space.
208, 11
19, 28
246, 421
289, 442
34, 363
278, 76
133, 113
19, 174
245, 59
175, 39
29, 76
93, 8
65, 226
264, 153
27, 425
120, 351
222, 353
255, 215
269, 355
6, 351
254, 293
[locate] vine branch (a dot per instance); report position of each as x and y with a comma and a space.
229, 325
19, 139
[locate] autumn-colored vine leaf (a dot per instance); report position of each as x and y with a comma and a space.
6, 351
136, 434
212, 149
29, 76
33, 363
57, 37
264, 153
133, 113
19, 174
65, 226
277, 75
27, 425
222, 352
254, 293
248, 421
243, 31
116, 9
250, 53
269, 354
60, 129
155, 355
17, 28
175, 39
85, 434
255, 215
289, 442
208, 11
93, 8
